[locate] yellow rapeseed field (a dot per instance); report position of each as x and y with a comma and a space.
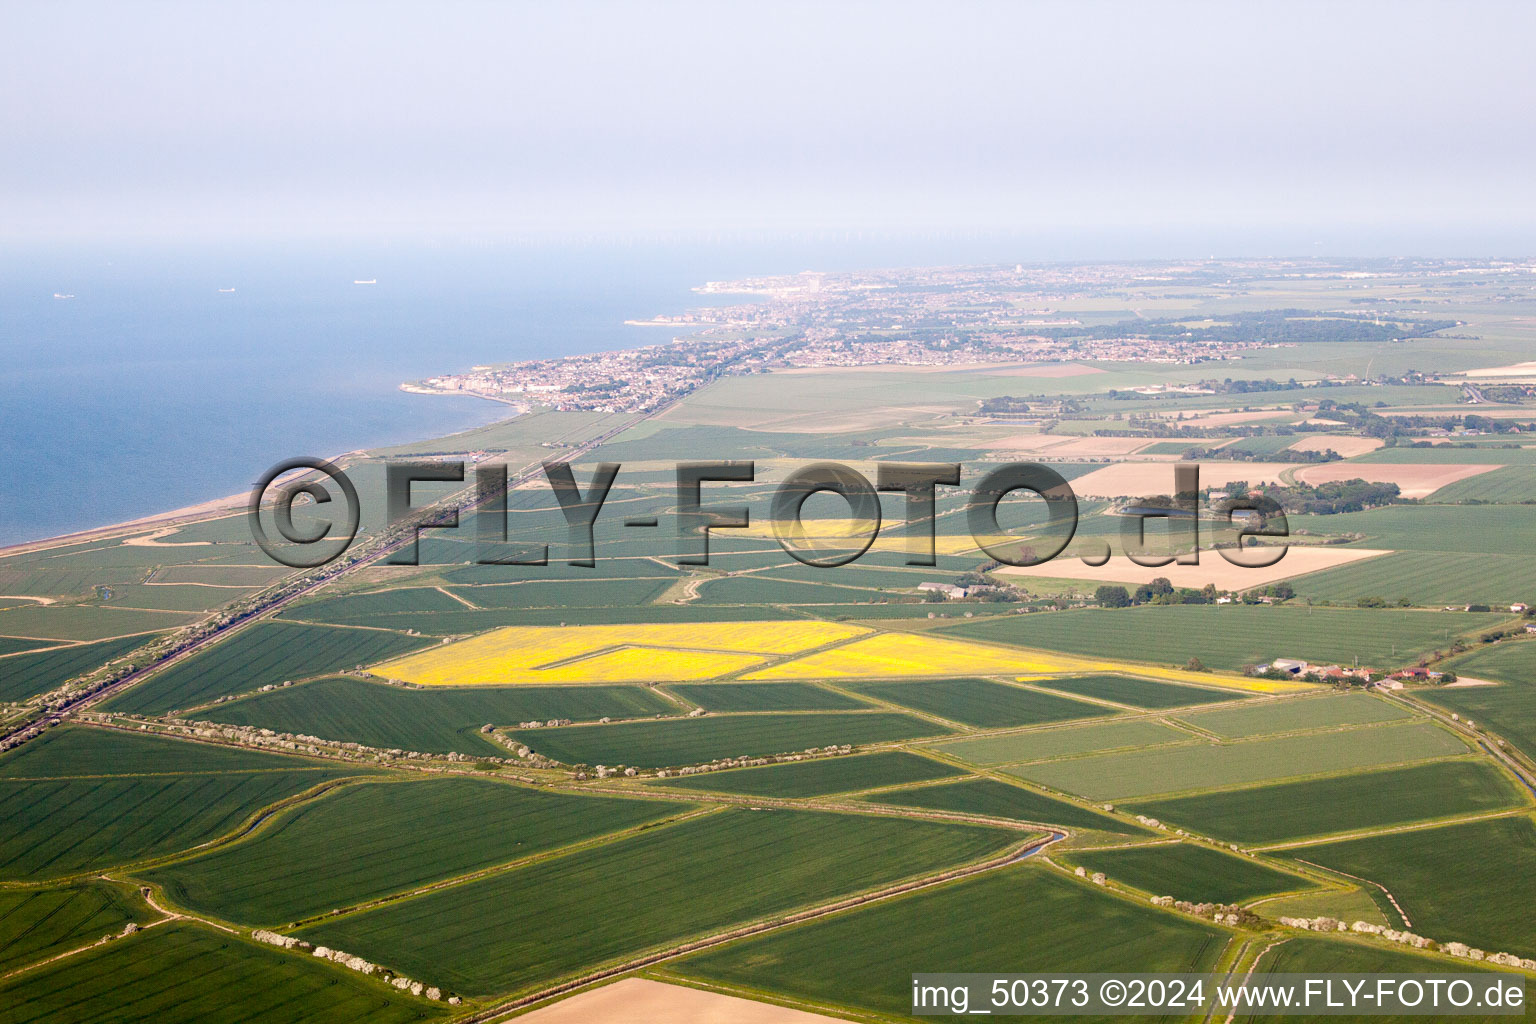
1217, 679
643, 652
910, 654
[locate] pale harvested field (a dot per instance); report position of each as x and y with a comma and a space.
641, 1001
1345, 445
656, 652
1514, 371
1141, 479
1414, 481
1213, 569
1033, 442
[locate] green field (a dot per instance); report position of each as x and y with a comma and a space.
558, 917
70, 803
1180, 447
1141, 693
1231, 636
759, 589
864, 959
181, 974
1308, 955
900, 612
566, 593
1505, 662
979, 702
1187, 871
268, 652
367, 609
1509, 710
821, 776
222, 575
609, 565
72, 751
1000, 800
764, 697
397, 835
1207, 766
28, 675
1297, 713
62, 826
19, 645
1510, 485
1424, 578
432, 611
1038, 744
171, 597
695, 740
1467, 529
1450, 455
1291, 810
1342, 956
470, 620
437, 720
1475, 883
1266, 444
85, 621
36, 924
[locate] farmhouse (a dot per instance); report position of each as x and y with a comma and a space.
949, 590
1294, 666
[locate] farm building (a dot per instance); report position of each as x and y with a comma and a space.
949, 590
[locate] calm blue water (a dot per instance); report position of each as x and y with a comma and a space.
150, 389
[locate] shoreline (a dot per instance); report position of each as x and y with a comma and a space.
220, 507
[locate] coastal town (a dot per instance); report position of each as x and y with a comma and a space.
929, 317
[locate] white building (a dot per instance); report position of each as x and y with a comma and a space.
949, 590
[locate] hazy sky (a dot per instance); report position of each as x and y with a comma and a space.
220, 120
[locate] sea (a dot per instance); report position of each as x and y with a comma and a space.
136, 379
139, 379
